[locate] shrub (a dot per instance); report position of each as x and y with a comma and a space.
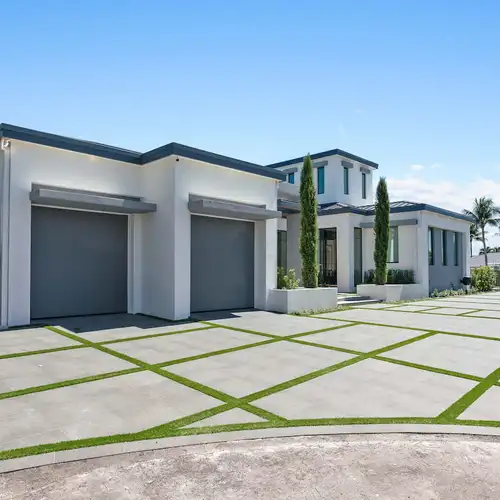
394, 276
381, 226
449, 293
483, 278
308, 226
287, 281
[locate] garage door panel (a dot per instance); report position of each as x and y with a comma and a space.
222, 264
78, 263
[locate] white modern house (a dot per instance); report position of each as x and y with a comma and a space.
87, 228
431, 242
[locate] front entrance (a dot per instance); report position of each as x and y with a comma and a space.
327, 257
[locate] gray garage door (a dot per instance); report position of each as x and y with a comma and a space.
78, 263
222, 264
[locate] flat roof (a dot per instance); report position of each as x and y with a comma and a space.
125, 155
331, 152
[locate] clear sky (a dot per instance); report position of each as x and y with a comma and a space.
411, 84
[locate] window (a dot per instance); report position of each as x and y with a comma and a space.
291, 178
431, 246
363, 186
444, 247
393, 253
346, 180
321, 179
282, 249
456, 239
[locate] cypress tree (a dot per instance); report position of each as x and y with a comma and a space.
308, 226
382, 210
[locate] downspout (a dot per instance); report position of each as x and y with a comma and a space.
5, 149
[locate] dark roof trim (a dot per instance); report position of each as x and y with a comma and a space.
331, 152
406, 207
113, 153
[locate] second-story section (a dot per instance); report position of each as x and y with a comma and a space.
339, 176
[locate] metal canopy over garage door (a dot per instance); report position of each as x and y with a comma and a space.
222, 264
78, 263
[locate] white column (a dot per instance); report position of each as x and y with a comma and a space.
345, 254
292, 244
422, 267
266, 260
465, 252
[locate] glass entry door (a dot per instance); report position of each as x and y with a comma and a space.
358, 256
327, 257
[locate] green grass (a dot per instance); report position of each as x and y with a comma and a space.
40, 351
246, 403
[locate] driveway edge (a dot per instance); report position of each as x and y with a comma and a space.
175, 442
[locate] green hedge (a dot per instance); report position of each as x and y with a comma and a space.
394, 277
484, 278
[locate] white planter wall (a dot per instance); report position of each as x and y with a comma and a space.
393, 293
302, 299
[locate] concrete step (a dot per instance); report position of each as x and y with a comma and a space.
352, 300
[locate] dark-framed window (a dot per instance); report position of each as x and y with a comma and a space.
291, 178
431, 246
346, 180
456, 239
444, 247
282, 260
321, 179
393, 250
363, 185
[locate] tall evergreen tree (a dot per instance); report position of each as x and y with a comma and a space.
382, 210
308, 226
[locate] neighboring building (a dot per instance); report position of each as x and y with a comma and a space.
430, 241
88, 228
493, 260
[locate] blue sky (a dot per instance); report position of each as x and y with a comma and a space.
412, 85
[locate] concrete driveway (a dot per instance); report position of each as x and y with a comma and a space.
76, 385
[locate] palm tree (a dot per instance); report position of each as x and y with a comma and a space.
488, 250
475, 234
484, 213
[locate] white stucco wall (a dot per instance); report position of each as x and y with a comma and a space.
209, 180
31, 163
334, 182
159, 243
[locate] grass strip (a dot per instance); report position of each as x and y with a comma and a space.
66, 383
154, 335
321, 330
215, 353
458, 407
176, 432
244, 330
40, 351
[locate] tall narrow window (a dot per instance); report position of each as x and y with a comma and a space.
321, 179
291, 178
393, 251
363, 186
282, 249
346, 180
444, 247
431, 246
456, 239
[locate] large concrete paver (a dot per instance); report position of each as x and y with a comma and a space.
486, 314
243, 372
455, 304
52, 367
412, 308
134, 331
362, 338
451, 311
487, 407
234, 416
424, 321
182, 345
128, 403
460, 354
31, 339
369, 388
268, 322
